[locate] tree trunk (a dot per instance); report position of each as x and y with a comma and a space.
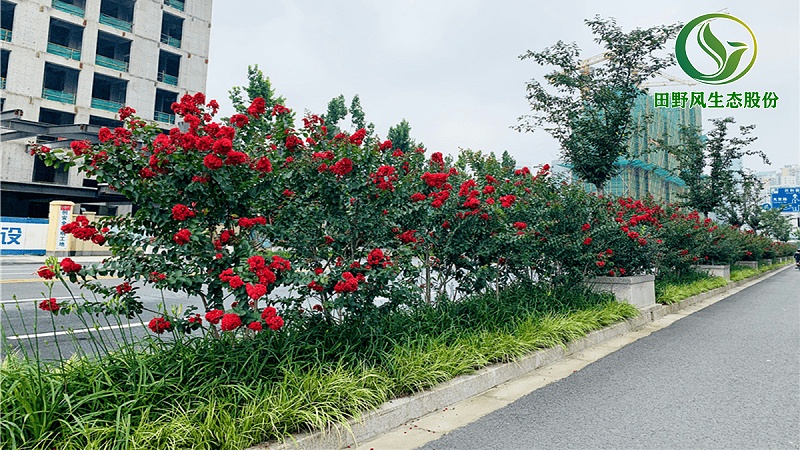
601, 191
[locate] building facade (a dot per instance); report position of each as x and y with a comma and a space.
68, 62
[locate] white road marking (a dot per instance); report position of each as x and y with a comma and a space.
63, 333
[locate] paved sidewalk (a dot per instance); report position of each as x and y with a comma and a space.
727, 376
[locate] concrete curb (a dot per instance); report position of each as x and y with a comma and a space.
401, 410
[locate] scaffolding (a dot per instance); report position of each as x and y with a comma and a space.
649, 169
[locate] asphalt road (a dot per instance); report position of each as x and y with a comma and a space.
726, 377
35, 332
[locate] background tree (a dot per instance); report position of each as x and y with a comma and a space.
743, 207
258, 86
337, 110
776, 225
706, 165
400, 135
589, 112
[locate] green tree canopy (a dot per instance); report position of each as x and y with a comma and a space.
586, 106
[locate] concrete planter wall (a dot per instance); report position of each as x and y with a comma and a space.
750, 264
717, 271
639, 290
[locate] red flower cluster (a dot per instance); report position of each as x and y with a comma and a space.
80, 147
407, 237
69, 266
46, 273
123, 288
264, 165
182, 212
520, 225
276, 110
49, 305
214, 316
159, 325
81, 229
350, 284
507, 200
342, 167
182, 236
233, 280
245, 222
384, 178
239, 120
376, 258
255, 291
435, 180
230, 322
418, 197
272, 319
358, 137
125, 112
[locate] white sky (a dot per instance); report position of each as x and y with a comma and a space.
451, 68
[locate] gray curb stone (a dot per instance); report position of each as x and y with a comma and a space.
401, 410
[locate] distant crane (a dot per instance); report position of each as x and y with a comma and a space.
670, 80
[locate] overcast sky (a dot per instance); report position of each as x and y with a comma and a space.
451, 68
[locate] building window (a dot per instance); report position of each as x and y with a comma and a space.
113, 52
65, 39
74, 7
108, 93
55, 117
169, 65
177, 4
163, 108
6, 20
171, 30
43, 173
4, 54
117, 14
103, 122
60, 83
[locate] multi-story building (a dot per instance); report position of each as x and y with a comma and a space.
68, 62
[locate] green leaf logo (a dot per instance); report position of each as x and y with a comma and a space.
728, 59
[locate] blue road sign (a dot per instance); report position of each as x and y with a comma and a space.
787, 198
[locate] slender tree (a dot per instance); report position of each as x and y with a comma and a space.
707, 165
588, 108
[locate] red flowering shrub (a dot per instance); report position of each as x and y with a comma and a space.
366, 229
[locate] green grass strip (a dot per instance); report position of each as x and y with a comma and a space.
178, 398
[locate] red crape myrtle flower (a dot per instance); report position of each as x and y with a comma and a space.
46, 273
257, 108
275, 323
520, 225
239, 120
213, 317
342, 167
255, 326
182, 237
230, 322
350, 284
49, 305
69, 266
159, 325
182, 212
407, 237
